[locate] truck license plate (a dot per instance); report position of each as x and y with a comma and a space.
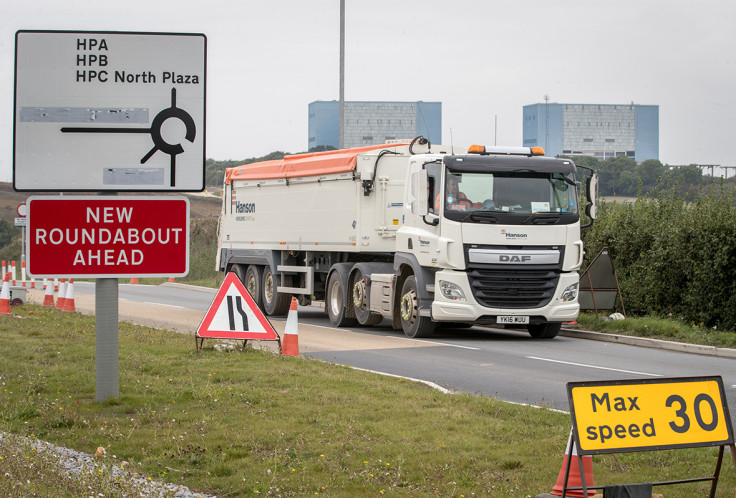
512, 320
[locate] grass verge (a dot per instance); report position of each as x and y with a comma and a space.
667, 329
246, 422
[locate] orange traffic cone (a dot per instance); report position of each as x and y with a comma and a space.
48, 297
62, 294
5, 296
172, 279
574, 480
290, 346
69, 301
134, 280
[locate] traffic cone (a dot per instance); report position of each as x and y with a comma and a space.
290, 346
62, 294
134, 280
172, 279
5, 296
574, 480
69, 301
48, 297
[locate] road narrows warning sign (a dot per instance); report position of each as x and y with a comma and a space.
234, 315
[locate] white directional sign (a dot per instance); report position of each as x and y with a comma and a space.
120, 111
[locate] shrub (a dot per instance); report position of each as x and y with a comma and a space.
673, 255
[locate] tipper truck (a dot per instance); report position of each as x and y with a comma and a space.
412, 232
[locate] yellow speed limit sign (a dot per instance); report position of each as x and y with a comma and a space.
637, 415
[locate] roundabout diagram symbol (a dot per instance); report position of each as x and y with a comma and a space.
159, 142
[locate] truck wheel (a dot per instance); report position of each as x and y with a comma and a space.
252, 283
360, 303
413, 324
274, 303
239, 272
336, 309
544, 330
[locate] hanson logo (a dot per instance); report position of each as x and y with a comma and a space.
510, 235
245, 207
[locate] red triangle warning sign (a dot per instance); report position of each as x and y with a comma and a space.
234, 315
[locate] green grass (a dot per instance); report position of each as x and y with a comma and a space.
248, 422
668, 329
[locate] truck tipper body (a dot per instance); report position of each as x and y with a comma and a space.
413, 232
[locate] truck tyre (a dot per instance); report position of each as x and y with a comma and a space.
252, 283
274, 303
360, 302
334, 303
239, 271
412, 323
544, 330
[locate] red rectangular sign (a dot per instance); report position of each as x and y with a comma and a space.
108, 236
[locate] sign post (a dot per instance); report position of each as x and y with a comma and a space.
234, 314
108, 236
651, 414
108, 112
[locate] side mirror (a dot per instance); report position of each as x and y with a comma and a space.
591, 194
591, 188
418, 192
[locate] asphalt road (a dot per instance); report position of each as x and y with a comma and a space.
506, 364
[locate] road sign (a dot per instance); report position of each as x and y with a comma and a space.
234, 315
108, 236
19, 222
22, 209
119, 111
636, 415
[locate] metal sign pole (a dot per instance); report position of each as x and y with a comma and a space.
106, 338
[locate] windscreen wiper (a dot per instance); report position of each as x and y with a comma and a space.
542, 219
481, 216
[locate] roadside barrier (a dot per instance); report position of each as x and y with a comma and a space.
290, 346
48, 296
12, 272
5, 296
62, 294
574, 479
69, 298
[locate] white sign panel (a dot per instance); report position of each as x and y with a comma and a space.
120, 111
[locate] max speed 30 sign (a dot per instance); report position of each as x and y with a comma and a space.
106, 236
636, 415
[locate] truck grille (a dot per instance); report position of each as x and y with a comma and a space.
513, 288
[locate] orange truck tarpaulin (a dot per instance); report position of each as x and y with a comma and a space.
311, 164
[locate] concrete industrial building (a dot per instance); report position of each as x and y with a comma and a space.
372, 123
599, 130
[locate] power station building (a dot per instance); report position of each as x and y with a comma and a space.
372, 123
600, 130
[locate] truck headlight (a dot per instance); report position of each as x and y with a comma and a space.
570, 293
451, 291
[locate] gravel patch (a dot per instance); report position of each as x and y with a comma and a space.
78, 463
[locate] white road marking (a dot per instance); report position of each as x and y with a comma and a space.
435, 343
594, 366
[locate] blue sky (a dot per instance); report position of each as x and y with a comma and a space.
482, 59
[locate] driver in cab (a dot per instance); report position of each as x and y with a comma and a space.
455, 199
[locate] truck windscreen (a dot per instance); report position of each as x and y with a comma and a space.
511, 197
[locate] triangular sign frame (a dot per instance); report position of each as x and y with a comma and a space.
234, 314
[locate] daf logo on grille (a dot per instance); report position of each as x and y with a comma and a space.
506, 258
